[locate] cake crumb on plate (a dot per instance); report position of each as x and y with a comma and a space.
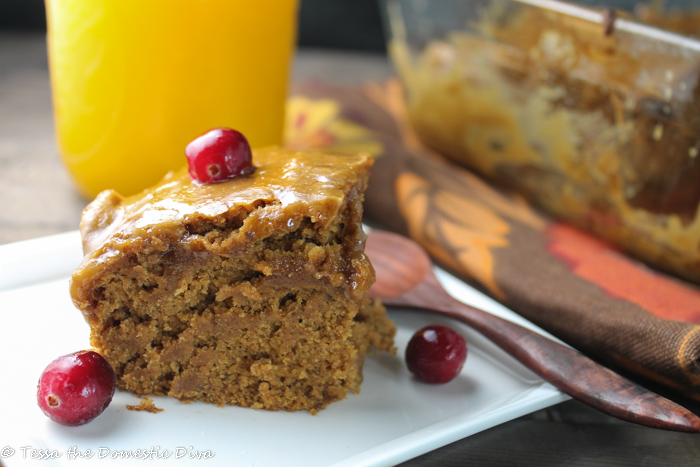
146, 405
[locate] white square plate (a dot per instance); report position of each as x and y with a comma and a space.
393, 419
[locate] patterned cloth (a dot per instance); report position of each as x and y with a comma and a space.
580, 289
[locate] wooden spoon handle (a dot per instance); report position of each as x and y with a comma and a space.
567, 369
580, 377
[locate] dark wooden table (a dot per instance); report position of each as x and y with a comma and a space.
37, 198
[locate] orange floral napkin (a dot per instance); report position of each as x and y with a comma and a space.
578, 288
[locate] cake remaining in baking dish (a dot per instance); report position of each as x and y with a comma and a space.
250, 292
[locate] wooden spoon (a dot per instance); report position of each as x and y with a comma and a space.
405, 278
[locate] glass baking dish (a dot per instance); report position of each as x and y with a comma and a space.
593, 114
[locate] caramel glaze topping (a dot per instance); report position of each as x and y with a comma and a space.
287, 188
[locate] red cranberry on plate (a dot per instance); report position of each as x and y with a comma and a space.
436, 354
76, 388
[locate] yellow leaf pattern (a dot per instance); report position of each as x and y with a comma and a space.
317, 123
458, 233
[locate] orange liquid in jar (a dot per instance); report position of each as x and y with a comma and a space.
134, 81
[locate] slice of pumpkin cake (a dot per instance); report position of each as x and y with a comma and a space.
250, 291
